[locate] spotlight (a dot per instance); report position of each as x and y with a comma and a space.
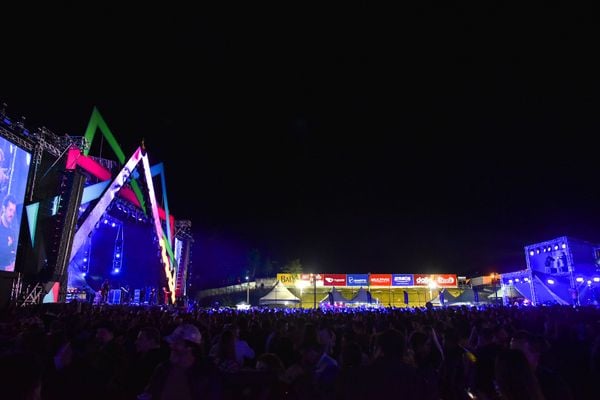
579, 279
551, 281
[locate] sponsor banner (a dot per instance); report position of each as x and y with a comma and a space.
307, 280
299, 280
402, 280
288, 280
381, 279
334, 280
441, 280
357, 280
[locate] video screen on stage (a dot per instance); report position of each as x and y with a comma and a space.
14, 170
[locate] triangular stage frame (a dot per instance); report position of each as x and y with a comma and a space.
106, 190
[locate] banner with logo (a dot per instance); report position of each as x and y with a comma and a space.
288, 280
357, 280
440, 280
334, 279
381, 279
307, 280
402, 280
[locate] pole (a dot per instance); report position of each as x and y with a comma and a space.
314, 292
247, 291
495, 291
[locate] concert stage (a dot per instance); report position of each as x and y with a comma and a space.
82, 220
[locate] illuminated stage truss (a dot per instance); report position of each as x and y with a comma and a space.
126, 186
115, 186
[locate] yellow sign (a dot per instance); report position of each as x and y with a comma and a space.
288, 279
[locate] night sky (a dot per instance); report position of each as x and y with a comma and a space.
356, 140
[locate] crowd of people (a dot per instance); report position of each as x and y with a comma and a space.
59, 351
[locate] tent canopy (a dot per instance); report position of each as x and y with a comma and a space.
334, 297
279, 294
468, 296
363, 297
448, 298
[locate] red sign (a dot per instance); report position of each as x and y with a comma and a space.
381, 279
334, 279
439, 280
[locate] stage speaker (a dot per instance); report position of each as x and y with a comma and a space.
114, 296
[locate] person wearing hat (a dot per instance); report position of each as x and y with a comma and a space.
187, 374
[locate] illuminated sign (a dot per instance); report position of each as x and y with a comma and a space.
288, 279
441, 280
402, 280
381, 279
357, 280
334, 280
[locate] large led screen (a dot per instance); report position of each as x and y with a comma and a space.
14, 170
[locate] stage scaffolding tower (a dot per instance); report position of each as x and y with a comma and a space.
39, 141
183, 255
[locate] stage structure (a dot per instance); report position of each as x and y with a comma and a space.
562, 270
47, 188
68, 196
183, 256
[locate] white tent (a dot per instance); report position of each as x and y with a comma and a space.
279, 294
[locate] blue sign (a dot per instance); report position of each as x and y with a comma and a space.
357, 280
402, 280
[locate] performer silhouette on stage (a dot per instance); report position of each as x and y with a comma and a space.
167, 294
104, 289
126, 294
153, 297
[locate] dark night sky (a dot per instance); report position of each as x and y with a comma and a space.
365, 140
